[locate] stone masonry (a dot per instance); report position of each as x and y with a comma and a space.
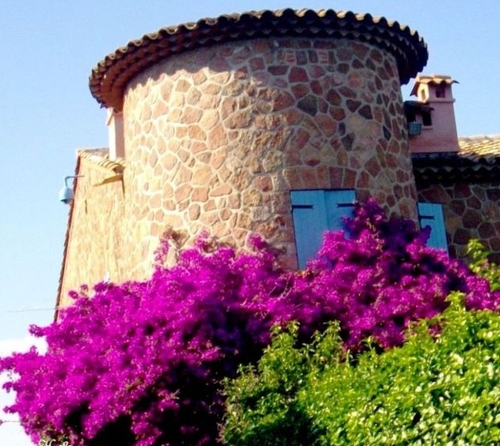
216, 138
471, 211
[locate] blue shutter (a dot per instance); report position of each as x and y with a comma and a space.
314, 212
339, 204
431, 214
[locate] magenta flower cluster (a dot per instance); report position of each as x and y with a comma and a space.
142, 363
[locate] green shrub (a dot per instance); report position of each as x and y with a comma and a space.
437, 389
480, 265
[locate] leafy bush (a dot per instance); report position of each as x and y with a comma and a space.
430, 391
141, 363
480, 264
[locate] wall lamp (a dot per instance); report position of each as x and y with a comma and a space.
66, 194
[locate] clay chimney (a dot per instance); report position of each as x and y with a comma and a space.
431, 118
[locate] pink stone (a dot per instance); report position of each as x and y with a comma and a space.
234, 201
300, 90
166, 89
191, 115
355, 80
261, 46
316, 87
199, 77
208, 218
223, 189
300, 139
292, 116
200, 194
196, 132
283, 100
241, 55
328, 125
241, 73
360, 50
298, 74
225, 214
182, 192
181, 131
264, 184
316, 72
228, 106
168, 161
292, 178
278, 70
159, 109
208, 102
182, 86
194, 211
234, 88
209, 119
308, 177
239, 120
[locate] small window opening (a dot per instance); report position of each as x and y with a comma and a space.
441, 91
426, 118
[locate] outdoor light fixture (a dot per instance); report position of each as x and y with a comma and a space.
66, 194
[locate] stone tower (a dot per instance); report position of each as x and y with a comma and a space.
223, 118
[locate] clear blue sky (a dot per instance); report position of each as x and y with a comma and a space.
47, 50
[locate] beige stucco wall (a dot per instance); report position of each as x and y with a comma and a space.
216, 138
95, 248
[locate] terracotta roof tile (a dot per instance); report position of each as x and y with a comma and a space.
476, 147
478, 159
111, 76
100, 158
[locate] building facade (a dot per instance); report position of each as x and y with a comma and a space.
265, 122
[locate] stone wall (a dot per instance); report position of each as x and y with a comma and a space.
215, 138
95, 247
470, 211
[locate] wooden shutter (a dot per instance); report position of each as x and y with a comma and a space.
314, 212
431, 214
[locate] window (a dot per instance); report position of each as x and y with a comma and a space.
441, 91
427, 118
314, 212
431, 214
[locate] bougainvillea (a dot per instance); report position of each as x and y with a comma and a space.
141, 363
381, 278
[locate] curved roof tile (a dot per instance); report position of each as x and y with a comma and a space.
477, 160
110, 77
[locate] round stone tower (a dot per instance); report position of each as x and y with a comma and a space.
223, 118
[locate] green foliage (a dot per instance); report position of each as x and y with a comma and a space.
480, 265
268, 393
437, 389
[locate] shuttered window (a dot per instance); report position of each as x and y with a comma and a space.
431, 214
314, 212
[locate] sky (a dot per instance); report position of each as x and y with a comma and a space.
47, 50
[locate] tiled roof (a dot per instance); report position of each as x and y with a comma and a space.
100, 158
110, 77
477, 147
478, 159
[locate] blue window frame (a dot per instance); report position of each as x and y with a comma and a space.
314, 212
431, 214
